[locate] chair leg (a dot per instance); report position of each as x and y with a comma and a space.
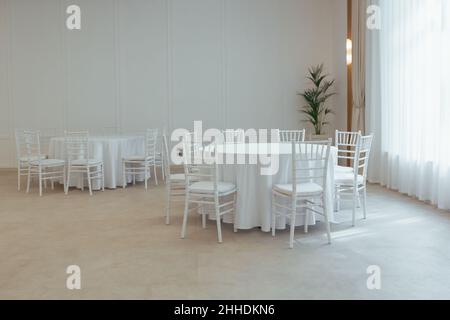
327, 222
163, 170
203, 218
294, 211
81, 179
19, 168
52, 184
146, 168
40, 181
64, 179
364, 203
88, 173
28, 179
185, 216
292, 232
154, 172
336, 199
67, 184
124, 175
354, 207
235, 226
219, 228
274, 216
103, 176
305, 227
168, 203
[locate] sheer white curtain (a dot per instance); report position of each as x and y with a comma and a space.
408, 98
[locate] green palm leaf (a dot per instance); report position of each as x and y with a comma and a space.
315, 109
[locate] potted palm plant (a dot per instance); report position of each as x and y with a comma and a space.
316, 109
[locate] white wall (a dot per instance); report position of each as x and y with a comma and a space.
148, 63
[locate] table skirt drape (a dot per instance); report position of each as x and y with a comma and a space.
110, 149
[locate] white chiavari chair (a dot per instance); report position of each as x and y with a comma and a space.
292, 135
352, 184
175, 182
22, 156
141, 164
346, 143
231, 136
307, 188
38, 165
79, 161
202, 185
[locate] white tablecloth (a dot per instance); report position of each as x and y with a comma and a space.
254, 199
110, 149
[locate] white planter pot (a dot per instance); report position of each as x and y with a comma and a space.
318, 137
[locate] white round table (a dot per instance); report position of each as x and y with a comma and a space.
111, 149
254, 199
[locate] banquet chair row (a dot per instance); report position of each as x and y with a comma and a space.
38, 165
200, 185
238, 135
22, 156
304, 195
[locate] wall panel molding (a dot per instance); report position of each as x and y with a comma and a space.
117, 66
65, 64
169, 75
224, 65
251, 57
12, 120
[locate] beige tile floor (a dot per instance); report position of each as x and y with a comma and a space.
125, 250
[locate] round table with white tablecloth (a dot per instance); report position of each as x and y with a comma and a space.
254, 199
111, 149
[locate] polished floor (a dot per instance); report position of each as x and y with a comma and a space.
125, 250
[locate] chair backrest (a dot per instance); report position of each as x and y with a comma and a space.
363, 156
310, 162
33, 145
231, 136
292, 135
198, 161
21, 147
77, 145
346, 144
151, 142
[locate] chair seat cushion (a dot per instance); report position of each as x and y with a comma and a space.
306, 189
177, 177
347, 178
25, 159
208, 187
48, 162
343, 169
84, 162
137, 158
